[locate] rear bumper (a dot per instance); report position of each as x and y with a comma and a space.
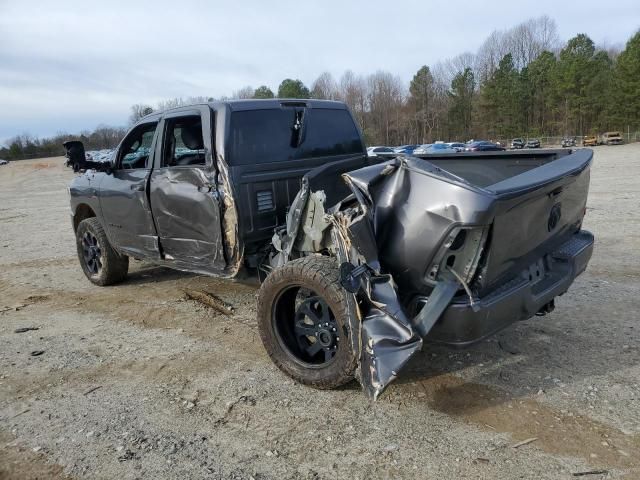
521, 298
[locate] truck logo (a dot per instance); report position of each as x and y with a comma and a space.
554, 216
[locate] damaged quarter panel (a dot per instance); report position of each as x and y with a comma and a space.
416, 209
434, 256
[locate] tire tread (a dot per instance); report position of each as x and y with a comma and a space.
320, 273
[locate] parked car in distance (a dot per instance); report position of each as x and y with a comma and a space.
517, 143
3, 162
374, 151
420, 149
568, 142
457, 146
405, 149
532, 143
483, 146
589, 141
611, 138
434, 148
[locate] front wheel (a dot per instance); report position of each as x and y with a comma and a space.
100, 263
304, 322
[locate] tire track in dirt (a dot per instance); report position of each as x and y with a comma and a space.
153, 298
20, 463
39, 263
556, 432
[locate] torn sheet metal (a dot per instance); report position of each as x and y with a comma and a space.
284, 240
360, 232
412, 213
388, 338
233, 249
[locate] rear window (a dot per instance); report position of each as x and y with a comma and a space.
264, 136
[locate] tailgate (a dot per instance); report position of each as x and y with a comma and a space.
536, 212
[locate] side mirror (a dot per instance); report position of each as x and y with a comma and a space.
77, 158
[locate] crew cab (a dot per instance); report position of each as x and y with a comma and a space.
362, 258
203, 187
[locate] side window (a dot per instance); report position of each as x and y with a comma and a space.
136, 147
183, 142
329, 132
261, 136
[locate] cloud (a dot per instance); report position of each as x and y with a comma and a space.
70, 64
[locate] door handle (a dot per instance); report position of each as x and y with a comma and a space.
137, 188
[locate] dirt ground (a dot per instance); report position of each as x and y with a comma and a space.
134, 381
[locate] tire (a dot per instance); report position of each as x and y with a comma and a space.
281, 304
101, 264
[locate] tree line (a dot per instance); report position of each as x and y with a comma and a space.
27, 146
522, 82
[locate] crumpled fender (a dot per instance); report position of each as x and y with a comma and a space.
388, 336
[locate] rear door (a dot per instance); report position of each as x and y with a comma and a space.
123, 196
183, 195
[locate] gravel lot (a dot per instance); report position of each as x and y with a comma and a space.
134, 381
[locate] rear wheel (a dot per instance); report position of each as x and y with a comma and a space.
304, 322
100, 263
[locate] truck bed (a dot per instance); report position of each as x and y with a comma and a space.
530, 203
484, 169
527, 187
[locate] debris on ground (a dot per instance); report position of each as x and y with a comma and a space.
524, 442
92, 389
37, 353
15, 308
210, 300
25, 329
590, 472
21, 413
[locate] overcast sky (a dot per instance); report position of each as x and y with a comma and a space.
68, 66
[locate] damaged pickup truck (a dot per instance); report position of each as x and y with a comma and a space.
362, 259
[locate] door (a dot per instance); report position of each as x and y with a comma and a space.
184, 197
123, 195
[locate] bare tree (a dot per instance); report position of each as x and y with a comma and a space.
529, 39
138, 111
386, 95
490, 53
525, 42
325, 87
243, 93
181, 102
445, 71
353, 91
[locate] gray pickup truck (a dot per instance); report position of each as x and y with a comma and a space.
362, 259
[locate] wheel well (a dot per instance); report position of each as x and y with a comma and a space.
83, 212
